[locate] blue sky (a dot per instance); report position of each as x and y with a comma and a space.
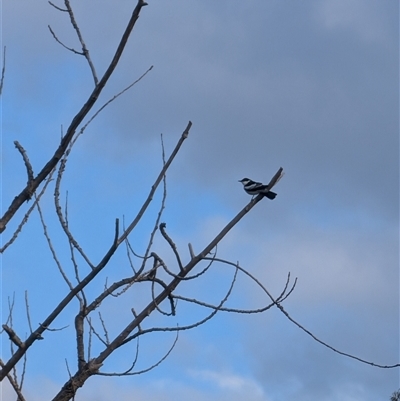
310, 86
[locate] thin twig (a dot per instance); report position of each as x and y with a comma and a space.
27, 214
66, 364
90, 342
160, 212
280, 307
3, 71
157, 307
21, 382
187, 327
104, 328
51, 329
194, 276
91, 327
85, 50
110, 101
139, 372
64, 161
285, 294
62, 44
10, 310
129, 369
58, 8
192, 255
14, 385
171, 244
28, 315
27, 163
82, 299
52, 250
184, 135
61, 218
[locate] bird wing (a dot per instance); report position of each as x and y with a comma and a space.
255, 186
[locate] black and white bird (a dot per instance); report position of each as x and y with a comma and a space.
255, 188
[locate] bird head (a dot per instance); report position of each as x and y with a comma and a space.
245, 181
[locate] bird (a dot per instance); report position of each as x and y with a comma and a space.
255, 188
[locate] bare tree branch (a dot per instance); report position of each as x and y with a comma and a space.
61, 43
13, 336
159, 275
82, 299
27, 214
104, 329
85, 50
26, 162
139, 372
3, 71
109, 101
159, 215
61, 218
194, 276
14, 385
28, 315
58, 8
190, 326
171, 244
52, 250
79, 327
21, 382
37, 334
24, 194
93, 366
185, 134
280, 307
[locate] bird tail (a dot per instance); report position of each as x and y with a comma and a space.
270, 195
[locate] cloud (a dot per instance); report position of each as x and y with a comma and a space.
366, 19
233, 386
198, 385
309, 86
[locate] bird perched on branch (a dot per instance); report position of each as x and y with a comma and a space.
255, 188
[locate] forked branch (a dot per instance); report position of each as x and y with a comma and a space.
92, 367
85, 51
37, 334
92, 99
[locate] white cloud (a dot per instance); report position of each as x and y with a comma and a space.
196, 387
362, 17
232, 383
345, 267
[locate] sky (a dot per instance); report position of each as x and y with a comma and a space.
309, 86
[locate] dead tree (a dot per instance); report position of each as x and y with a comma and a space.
162, 274
163, 277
